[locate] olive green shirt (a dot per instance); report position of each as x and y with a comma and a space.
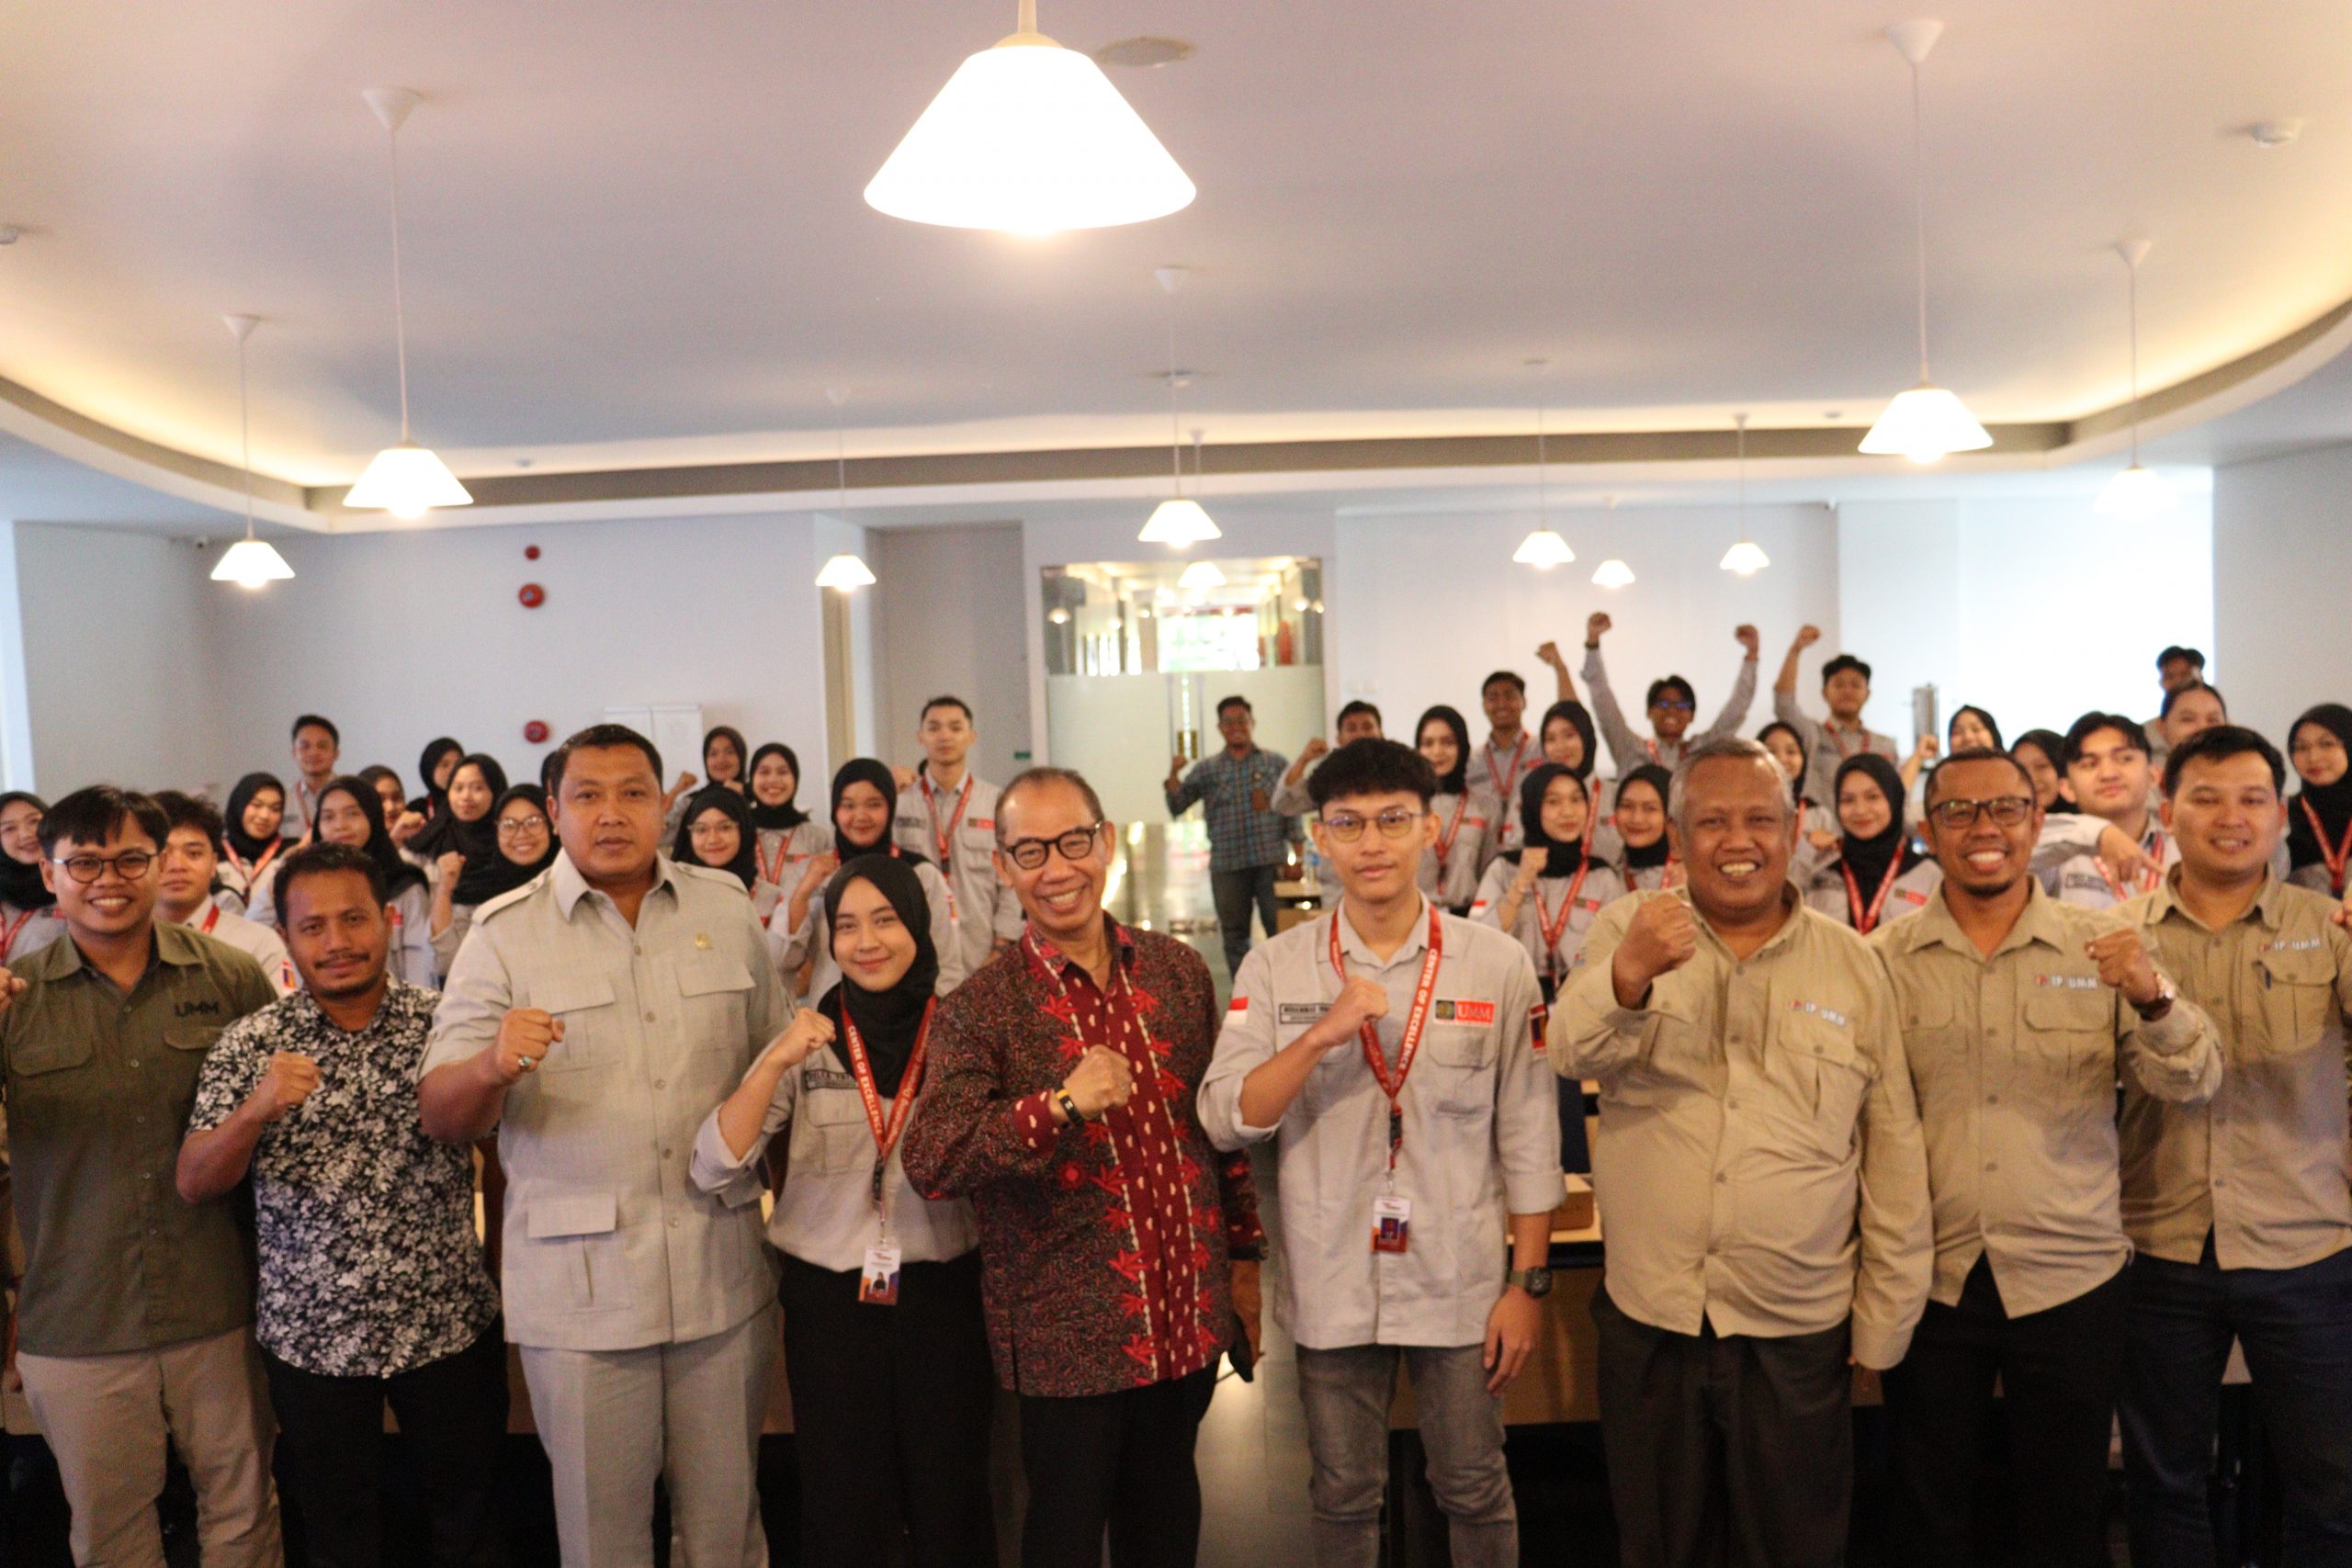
98, 1087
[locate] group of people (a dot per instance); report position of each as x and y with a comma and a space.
901, 1081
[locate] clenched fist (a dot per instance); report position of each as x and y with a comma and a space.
1100, 1082
2123, 964
288, 1080
1662, 937
525, 1037
1550, 654
1748, 637
808, 1032
820, 868
1361, 1001
1807, 635
1596, 624
1531, 865
1314, 749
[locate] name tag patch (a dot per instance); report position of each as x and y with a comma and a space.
1911, 898
1827, 1015
1300, 1012
825, 1077
1463, 1011
2299, 944
2068, 981
1538, 1017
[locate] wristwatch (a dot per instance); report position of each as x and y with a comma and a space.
2151, 1011
1536, 1283
1069, 1107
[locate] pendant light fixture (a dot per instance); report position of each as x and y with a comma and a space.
407, 479
1744, 557
1928, 421
2136, 495
1180, 522
1542, 548
250, 562
1612, 573
1029, 137
844, 572
1202, 575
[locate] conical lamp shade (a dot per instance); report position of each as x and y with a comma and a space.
249, 563
1612, 573
1746, 558
407, 481
1029, 137
844, 572
2135, 495
1178, 522
1926, 423
1202, 574
1543, 550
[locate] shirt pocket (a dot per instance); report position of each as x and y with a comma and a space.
717, 991
1330, 1079
1816, 1078
838, 1138
583, 1005
2070, 1041
52, 1051
2298, 1000
574, 1246
1462, 1068
195, 1037
1931, 1039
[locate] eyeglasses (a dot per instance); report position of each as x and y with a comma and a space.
131, 866
1673, 705
1395, 823
2006, 810
522, 826
1074, 845
710, 829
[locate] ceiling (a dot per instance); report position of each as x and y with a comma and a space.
635, 237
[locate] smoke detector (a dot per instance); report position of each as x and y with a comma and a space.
2273, 132
1143, 53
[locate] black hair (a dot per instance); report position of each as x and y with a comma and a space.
320, 721
734, 738
2177, 693
2176, 652
1348, 710
2218, 744
1842, 663
394, 875
94, 815
184, 810
1372, 766
1992, 726
1516, 681
1236, 701
944, 701
321, 858
598, 737
1666, 683
376, 772
1455, 781
2070, 748
1976, 754
745, 864
1036, 778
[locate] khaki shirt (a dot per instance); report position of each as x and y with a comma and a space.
2261, 1167
1600, 886
1760, 1165
99, 1085
1481, 1121
984, 909
2014, 1058
609, 1245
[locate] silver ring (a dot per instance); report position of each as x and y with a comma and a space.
528, 1064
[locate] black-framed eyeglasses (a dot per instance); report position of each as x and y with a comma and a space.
1674, 704
1074, 845
131, 866
1347, 827
522, 826
2006, 810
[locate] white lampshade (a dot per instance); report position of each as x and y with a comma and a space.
407, 481
1178, 522
1746, 558
249, 563
1612, 573
2135, 495
844, 572
1926, 423
1202, 574
1029, 137
1543, 550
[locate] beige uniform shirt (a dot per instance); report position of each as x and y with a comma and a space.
1826, 890
1760, 1165
1470, 818
2261, 1167
1563, 904
2014, 1059
984, 909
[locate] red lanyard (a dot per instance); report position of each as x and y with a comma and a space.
9, 933
1866, 920
1445, 839
1838, 739
2338, 858
2153, 878
1552, 929
782, 854
212, 917
944, 835
253, 872
1503, 781
1415, 1021
886, 1132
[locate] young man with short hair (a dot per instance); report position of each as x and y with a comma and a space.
2105, 758
1509, 749
318, 744
190, 858
1356, 720
1436, 1166
2238, 1208
1846, 687
1249, 841
1672, 704
947, 813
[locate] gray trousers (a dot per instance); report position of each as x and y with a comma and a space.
1346, 1394
613, 1420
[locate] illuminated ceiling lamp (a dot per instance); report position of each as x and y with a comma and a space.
250, 562
1929, 422
844, 573
1201, 576
2136, 495
1180, 522
1029, 137
1745, 558
1542, 548
407, 479
1612, 573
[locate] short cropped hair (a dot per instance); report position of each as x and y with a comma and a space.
1666, 683
318, 721
1508, 677
1678, 795
1975, 754
182, 810
323, 857
2176, 652
2078, 733
1234, 701
2218, 744
2177, 693
94, 815
1842, 663
1348, 710
946, 700
596, 737
1037, 778
1372, 766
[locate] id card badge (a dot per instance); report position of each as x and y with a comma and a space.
877, 1283
1392, 1222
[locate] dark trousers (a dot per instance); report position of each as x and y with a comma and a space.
1236, 893
2059, 1371
2295, 1325
1121, 1461
1725, 1449
453, 1422
891, 1409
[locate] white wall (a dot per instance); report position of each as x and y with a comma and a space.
946, 620
2282, 561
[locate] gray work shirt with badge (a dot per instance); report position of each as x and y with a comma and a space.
1480, 1119
1543, 907
1450, 866
1826, 890
984, 909
609, 1245
1827, 743
1495, 772
1629, 750
2082, 878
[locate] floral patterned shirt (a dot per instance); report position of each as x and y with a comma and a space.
369, 1261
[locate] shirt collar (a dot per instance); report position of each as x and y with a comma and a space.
570, 887
1935, 925
1793, 910
172, 943
2268, 906
1046, 961
1417, 941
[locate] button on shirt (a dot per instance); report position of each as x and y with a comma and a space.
1241, 836
1827, 743
2014, 1059
370, 1265
1630, 750
2261, 1167
1760, 1165
609, 1245
1481, 1119
98, 1087
985, 910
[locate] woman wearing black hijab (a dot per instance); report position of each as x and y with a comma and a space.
1646, 861
251, 831
1876, 875
866, 797
2038, 752
723, 751
1450, 865
788, 836
715, 832
28, 916
434, 766
526, 845
467, 870
351, 813
885, 1345
1547, 892
2319, 818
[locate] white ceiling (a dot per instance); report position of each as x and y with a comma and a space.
635, 235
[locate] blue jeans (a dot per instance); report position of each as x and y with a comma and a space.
2296, 1327
1235, 892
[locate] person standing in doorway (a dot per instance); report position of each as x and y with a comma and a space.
1249, 843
